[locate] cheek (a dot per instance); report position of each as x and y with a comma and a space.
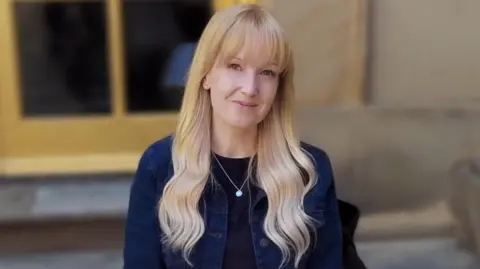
220, 89
269, 92
221, 83
219, 93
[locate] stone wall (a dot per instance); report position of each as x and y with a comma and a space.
328, 38
421, 53
424, 53
392, 159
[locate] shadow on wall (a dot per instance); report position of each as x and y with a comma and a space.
464, 201
387, 179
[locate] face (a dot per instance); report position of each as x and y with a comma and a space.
242, 92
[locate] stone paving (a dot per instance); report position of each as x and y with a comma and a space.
98, 260
436, 253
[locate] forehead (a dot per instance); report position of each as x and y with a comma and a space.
258, 45
252, 58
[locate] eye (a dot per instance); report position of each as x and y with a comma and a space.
234, 66
269, 73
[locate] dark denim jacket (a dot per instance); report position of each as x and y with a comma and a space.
143, 248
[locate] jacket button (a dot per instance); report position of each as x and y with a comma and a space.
264, 242
216, 235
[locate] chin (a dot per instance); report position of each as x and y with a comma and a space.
244, 123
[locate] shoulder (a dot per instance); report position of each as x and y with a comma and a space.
156, 157
160, 148
319, 156
152, 168
322, 163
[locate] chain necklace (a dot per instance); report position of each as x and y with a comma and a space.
239, 192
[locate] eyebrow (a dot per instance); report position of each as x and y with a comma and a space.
269, 64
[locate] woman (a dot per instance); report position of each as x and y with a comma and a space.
233, 187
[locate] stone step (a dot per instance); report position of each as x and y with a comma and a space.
64, 197
106, 197
71, 212
75, 212
61, 235
431, 221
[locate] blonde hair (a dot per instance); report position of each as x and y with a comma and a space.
283, 169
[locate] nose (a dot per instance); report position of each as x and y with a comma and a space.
250, 83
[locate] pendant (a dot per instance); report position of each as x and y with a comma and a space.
239, 193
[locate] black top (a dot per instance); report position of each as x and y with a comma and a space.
239, 252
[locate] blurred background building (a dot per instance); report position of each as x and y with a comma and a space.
389, 88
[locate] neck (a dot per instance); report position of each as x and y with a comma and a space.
234, 142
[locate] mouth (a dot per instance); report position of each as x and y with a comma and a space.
245, 104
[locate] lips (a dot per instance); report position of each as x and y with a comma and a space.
245, 104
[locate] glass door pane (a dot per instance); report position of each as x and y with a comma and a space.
62, 54
160, 38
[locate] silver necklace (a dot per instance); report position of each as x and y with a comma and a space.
239, 192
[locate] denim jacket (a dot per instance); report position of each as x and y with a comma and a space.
143, 248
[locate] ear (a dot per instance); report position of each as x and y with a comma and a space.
205, 84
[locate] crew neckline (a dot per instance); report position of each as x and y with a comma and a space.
220, 157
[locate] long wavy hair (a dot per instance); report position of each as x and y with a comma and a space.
283, 169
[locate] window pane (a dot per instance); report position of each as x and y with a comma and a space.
160, 37
63, 58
